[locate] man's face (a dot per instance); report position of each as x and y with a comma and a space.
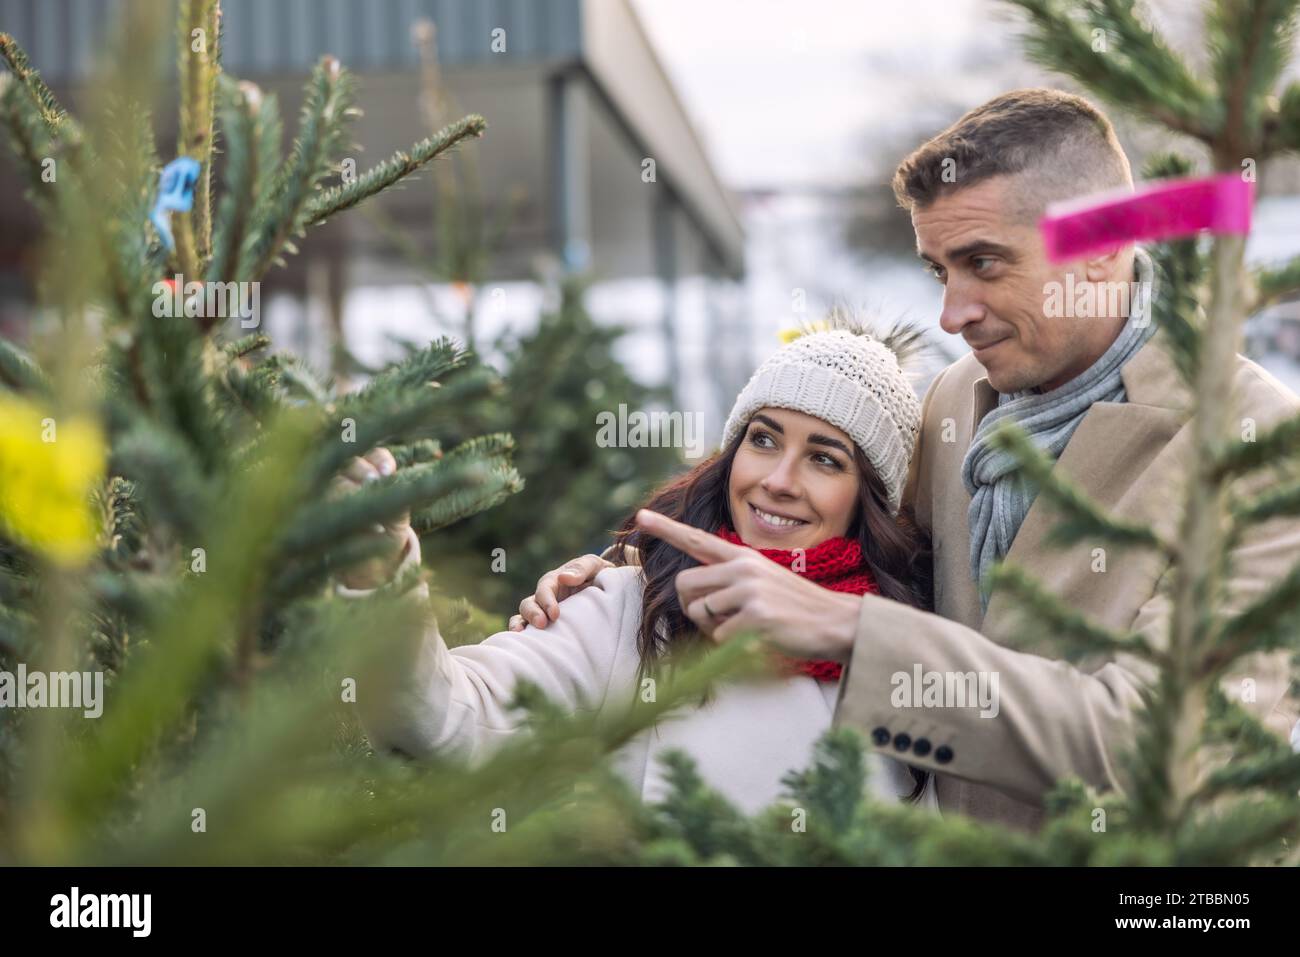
994, 271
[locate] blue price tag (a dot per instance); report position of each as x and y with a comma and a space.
175, 192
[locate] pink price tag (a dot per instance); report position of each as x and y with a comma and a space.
1170, 208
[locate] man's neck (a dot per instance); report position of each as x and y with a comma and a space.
1095, 353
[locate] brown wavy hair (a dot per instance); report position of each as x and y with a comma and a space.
895, 550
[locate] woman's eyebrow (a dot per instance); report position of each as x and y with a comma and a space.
818, 439
815, 439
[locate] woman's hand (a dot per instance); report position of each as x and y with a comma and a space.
375, 571
543, 606
737, 590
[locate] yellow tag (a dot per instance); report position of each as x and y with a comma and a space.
48, 468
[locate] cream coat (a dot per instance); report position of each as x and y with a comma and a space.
454, 701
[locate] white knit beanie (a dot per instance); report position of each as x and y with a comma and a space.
851, 379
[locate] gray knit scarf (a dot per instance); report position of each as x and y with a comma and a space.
1000, 496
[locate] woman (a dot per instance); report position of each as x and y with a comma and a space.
814, 459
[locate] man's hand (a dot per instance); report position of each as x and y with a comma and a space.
375, 571
738, 590
543, 606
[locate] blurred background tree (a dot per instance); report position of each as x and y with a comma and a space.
558, 378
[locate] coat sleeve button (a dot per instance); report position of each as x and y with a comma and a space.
943, 754
921, 747
902, 742
880, 736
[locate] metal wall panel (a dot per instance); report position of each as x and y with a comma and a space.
287, 36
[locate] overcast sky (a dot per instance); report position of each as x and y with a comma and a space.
787, 93
831, 92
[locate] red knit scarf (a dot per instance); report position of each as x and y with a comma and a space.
837, 564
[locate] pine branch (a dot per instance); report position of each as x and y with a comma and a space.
1250, 42
1282, 131
127, 190
84, 185
1077, 636
375, 424
396, 419
1228, 722
52, 114
483, 446
400, 165
258, 392
296, 378
174, 369
1276, 282
1276, 773
498, 482
379, 501
414, 453
246, 345
831, 788
123, 529
251, 124
312, 570
320, 133
697, 815
1240, 833
30, 140
420, 368
1283, 500
170, 482
1082, 517
1276, 445
19, 371
17, 629
1136, 71
1179, 271
1272, 621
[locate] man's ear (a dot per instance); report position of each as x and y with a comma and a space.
1105, 265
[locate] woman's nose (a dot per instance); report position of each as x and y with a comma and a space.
783, 479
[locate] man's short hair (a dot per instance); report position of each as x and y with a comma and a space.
1064, 146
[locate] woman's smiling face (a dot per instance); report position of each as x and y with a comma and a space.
794, 482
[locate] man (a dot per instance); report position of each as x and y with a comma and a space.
1097, 390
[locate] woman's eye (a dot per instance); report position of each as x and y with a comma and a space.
759, 438
830, 460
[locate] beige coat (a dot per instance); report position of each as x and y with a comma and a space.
454, 701
1054, 719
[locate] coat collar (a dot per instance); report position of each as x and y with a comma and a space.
1151, 377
